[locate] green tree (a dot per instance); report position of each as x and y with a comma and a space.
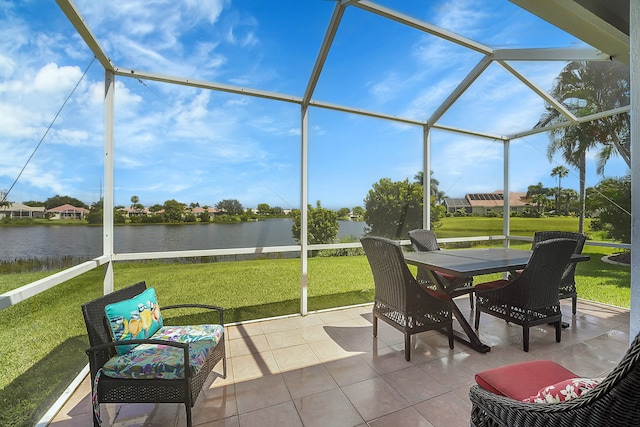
433, 186
561, 172
358, 211
395, 207
322, 225
586, 88
205, 216
155, 208
173, 211
264, 209
230, 207
610, 204
343, 213
569, 195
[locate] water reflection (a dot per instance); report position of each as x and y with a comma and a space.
86, 241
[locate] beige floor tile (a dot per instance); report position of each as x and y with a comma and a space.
449, 373
254, 366
333, 317
286, 338
350, 370
261, 393
281, 415
248, 345
307, 321
227, 422
386, 359
315, 333
329, 408
215, 404
374, 398
414, 384
277, 325
295, 357
307, 381
403, 417
446, 410
243, 330
328, 350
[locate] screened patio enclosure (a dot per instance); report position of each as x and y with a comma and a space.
352, 92
464, 123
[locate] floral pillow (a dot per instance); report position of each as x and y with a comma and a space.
564, 390
135, 318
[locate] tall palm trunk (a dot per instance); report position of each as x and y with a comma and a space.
582, 168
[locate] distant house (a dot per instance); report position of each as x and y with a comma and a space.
18, 210
197, 211
483, 204
67, 212
131, 212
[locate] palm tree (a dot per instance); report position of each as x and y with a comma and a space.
433, 186
587, 88
569, 195
560, 172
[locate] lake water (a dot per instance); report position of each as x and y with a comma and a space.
86, 241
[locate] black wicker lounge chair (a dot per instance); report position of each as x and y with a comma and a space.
613, 402
425, 241
531, 298
156, 390
399, 300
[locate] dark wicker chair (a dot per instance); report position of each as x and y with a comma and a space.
531, 298
425, 241
399, 300
123, 390
614, 402
568, 281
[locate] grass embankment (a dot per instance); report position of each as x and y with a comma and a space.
43, 339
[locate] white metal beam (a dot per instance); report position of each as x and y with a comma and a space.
575, 19
551, 54
185, 81
423, 26
541, 92
73, 14
634, 25
460, 89
338, 11
579, 120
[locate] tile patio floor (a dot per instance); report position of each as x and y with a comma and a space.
326, 369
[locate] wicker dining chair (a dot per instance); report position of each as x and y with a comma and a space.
425, 241
531, 298
399, 300
568, 281
615, 401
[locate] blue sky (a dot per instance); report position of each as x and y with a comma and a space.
194, 145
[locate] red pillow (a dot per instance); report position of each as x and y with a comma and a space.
522, 380
564, 390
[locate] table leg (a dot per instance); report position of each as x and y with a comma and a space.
471, 338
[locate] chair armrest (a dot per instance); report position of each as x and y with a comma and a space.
216, 308
509, 412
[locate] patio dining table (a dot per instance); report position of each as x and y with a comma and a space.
465, 263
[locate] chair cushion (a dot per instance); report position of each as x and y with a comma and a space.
522, 380
135, 318
490, 286
148, 361
564, 390
436, 294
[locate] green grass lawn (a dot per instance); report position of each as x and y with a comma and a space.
43, 339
